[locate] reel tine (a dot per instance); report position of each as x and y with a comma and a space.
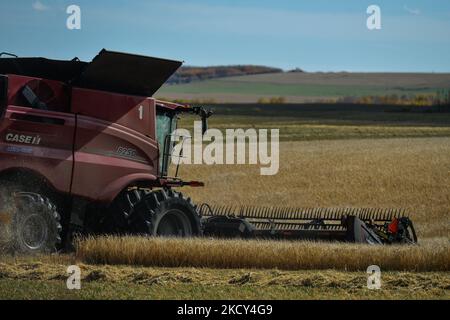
256, 212
275, 213
387, 214
316, 213
267, 213
295, 213
313, 213
282, 212
285, 213
279, 212
319, 213
328, 213
246, 211
374, 214
289, 213
225, 210
259, 212
308, 213
303, 213
365, 215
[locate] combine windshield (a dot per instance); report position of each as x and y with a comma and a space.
166, 123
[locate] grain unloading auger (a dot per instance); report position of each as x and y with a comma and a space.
362, 225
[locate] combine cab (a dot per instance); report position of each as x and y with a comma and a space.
85, 149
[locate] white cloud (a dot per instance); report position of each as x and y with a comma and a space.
413, 11
39, 6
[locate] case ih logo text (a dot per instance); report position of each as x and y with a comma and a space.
22, 138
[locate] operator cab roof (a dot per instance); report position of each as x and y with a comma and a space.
109, 71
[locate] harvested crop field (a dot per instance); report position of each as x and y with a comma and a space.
24, 278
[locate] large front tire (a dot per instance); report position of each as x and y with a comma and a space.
166, 213
30, 224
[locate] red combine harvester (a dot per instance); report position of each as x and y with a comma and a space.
85, 149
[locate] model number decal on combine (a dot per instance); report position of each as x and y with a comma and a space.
126, 152
23, 138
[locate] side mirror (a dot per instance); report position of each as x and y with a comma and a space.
204, 114
204, 124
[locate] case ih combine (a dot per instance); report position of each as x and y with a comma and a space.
84, 148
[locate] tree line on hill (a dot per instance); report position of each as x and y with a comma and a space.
188, 74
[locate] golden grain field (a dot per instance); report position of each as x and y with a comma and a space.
387, 173
432, 255
400, 173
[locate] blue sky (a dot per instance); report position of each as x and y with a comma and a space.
314, 35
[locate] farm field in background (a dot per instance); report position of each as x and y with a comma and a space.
300, 87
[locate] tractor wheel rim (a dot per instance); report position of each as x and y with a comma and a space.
173, 224
34, 231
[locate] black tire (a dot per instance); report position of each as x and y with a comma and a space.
32, 226
116, 220
165, 213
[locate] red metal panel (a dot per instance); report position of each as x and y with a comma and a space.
41, 147
109, 157
129, 111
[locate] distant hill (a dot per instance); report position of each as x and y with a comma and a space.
188, 74
305, 87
